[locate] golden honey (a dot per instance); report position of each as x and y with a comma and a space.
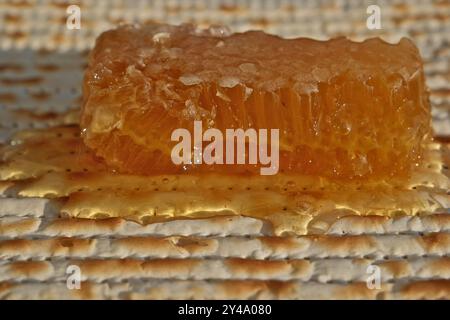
345, 110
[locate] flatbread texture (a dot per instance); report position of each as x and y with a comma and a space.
221, 257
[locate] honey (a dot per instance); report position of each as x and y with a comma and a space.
345, 110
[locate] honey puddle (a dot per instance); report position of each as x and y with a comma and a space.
55, 163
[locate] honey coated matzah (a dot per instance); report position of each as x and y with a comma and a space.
37, 240
353, 89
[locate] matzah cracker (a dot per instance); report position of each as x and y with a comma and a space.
41, 67
331, 270
228, 289
267, 247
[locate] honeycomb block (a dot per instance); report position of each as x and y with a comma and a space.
345, 110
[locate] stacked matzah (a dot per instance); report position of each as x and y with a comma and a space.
225, 257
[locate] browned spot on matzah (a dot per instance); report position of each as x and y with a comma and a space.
41, 116
196, 245
159, 268
438, 219
18, 227
228, 8
400, 6
68, 226
242, 289
21, 81
430, 289
86, 291
46, 247
7, 97
439, 267
445, 140
5, 287
166, 246
16, 35
73, 244
144, 244
435, 241
10, 67
398, 268
30, 269
441, 92
5, 185
12, 246
357, 290
301, 268
20, 4
48, 67
446, 152
280, 243
345, 244
40, 96
96, 268
12, 18
64, 4
58, 38
282, 289
257, 268
169, 266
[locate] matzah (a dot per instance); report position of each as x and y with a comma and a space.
224, 257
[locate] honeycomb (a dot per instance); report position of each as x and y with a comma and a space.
345, 110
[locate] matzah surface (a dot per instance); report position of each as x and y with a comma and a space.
41, 66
